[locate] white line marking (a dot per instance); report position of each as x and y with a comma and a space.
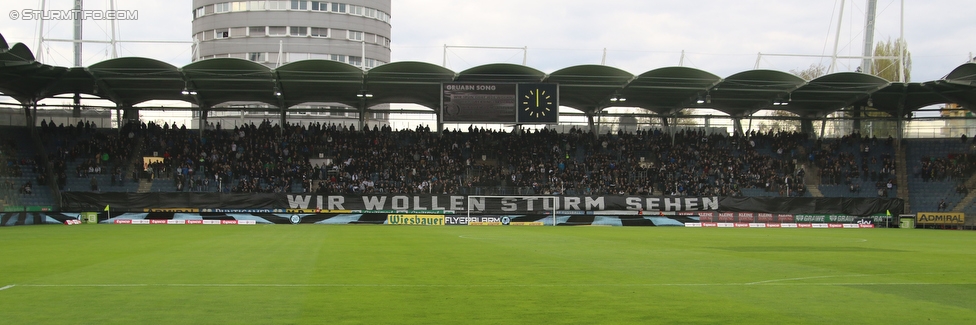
808, 278
298, 285
8, 287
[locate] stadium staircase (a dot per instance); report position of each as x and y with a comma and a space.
968, 199
136, 163
814, 191
901, 168
812, 179
145, 186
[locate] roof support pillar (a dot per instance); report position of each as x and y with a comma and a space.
204, 112
362, 113
590, 123
823, 127
900, 114
29, 115
129, 114
806, 125
856, 123
76, 105
666, 124
737, 126
282, 120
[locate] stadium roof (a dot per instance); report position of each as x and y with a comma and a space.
589, 88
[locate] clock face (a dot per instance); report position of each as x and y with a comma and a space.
538, 103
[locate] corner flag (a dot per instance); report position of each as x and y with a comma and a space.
106, 208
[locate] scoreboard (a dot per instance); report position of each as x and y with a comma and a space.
519, 103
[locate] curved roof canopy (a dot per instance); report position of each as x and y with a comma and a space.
589, 88
320, 81
407, 82
668, 90
826, 93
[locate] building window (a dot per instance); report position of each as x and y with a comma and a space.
222, 7
221, 33
338, 57
338, 7
299, 5
354, 35
298, 31
257, 56
292, 57
277, 30
199, 13
355, 60
319, 32
370, 12
256, 31
238, 6
257, 5
238, 32
370, 63
320, 6
355, 10
278, 5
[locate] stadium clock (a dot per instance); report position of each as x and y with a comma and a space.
538, 103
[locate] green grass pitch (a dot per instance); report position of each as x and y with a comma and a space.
359, 274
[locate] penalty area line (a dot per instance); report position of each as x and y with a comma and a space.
8, 287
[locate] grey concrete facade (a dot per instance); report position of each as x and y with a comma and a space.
302, 29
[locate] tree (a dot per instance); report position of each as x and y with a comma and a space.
813, 72
888, 69
787, 122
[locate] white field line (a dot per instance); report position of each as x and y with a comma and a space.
808, 278
8, 287
311, 285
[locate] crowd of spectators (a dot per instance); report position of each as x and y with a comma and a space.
250, 158
853, 160
339, 159
954, 166
266, 158
90, 150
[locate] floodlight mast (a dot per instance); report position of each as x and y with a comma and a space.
868, 51
79, 41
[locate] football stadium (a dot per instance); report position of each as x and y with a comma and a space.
585, 194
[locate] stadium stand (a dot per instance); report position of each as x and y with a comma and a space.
939, 171
266, 158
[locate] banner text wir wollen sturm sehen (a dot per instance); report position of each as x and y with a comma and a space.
138, 202
502, 204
